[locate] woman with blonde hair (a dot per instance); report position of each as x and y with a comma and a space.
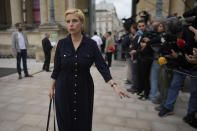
71, 78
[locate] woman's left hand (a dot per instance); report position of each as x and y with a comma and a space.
120, 92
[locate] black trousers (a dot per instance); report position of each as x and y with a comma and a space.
109, 58
134, 73
144, 76
47, 61
23, 55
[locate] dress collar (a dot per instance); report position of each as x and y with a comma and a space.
83, 41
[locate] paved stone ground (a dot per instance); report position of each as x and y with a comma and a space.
24, 104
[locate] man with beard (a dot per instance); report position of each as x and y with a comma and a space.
19, 46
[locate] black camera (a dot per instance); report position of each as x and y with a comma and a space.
144, 16
191, 17
128, 22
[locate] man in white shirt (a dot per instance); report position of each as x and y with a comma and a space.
19, 46
98, 40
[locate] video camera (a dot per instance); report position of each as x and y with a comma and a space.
191, 17
128, 22
144, 16
168, 43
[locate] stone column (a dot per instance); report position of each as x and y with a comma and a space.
87, 6
16, 11
180, 9
43, 12
71, 4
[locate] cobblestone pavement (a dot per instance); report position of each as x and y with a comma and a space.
24, 104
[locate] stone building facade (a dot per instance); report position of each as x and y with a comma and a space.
39, 17
169, 7
107, 19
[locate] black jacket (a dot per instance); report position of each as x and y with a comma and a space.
46, 45
125, 42
188, 37
147, 53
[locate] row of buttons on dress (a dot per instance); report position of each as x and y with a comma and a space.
75, 90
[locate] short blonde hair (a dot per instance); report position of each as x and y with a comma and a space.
77, 12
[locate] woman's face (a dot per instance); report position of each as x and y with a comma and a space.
73, 24
160, 28
133, 31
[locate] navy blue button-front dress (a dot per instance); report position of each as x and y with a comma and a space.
74, 87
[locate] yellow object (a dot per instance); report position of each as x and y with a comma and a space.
162, 61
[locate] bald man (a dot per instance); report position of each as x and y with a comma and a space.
46, 44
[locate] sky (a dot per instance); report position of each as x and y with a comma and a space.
123, 7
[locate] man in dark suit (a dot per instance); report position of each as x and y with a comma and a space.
46, 44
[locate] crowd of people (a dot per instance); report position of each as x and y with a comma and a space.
161, 55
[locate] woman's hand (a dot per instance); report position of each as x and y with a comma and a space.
120, 92
51, 91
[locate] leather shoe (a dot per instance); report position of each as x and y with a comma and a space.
48, 70
28, 75
131, 90
19, 77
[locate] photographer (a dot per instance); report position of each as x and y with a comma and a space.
143, 61
175, 28
125, 46
133, 59
157, 30
193, 58
162, 44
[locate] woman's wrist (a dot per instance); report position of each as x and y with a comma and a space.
113, 84
53, 84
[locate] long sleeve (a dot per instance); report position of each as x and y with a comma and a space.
48, 43
13, 43
155, 41
57, 62
101, 65
26, 41
126, 42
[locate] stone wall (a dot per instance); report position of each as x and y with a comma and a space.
35, 41
169, 7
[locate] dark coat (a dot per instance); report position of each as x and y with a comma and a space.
46, 45
74, 88
188, 37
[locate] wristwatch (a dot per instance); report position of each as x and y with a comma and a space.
112, 85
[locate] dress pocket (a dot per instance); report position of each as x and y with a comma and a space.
65, 57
